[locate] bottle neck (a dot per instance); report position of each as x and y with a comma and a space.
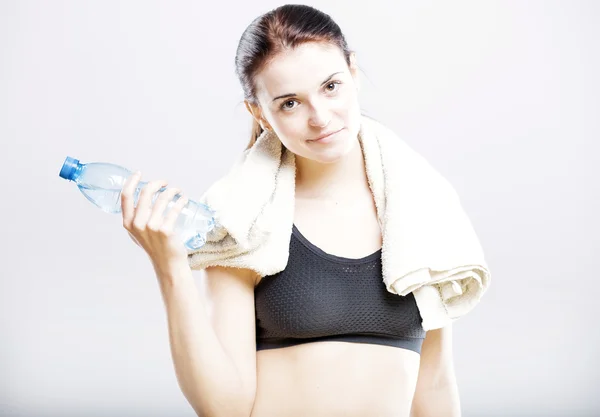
77, 171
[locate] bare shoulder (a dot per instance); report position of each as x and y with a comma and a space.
222, 275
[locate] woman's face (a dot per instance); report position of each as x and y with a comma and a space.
306, 93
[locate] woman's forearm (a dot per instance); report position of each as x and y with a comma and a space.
207, 377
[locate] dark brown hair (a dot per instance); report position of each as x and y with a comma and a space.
280, 29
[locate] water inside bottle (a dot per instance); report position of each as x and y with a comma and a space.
194, 242
193, 222
109, 199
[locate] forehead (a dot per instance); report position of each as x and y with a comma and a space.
300, 69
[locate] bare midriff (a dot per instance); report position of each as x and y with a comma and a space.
331, 379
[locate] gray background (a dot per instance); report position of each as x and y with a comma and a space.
501, 97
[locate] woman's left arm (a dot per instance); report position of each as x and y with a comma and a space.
437, 392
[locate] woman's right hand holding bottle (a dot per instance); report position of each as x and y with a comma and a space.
150, 228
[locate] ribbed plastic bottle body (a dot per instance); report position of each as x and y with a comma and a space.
101, 183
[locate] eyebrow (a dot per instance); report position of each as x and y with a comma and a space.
294, 94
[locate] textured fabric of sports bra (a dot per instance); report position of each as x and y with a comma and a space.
324, 297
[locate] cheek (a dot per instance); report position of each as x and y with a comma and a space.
348, 101
288, 129
281, 124
289, 132
349, 108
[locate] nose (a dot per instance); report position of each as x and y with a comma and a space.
319, 115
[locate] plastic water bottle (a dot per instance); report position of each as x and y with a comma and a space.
101, 183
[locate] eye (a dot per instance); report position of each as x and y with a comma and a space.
335, 85
284, 105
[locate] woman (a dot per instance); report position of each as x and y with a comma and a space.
292, 344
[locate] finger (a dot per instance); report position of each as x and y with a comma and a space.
144, 205
171, 217
158, 212
134, 240
127, 208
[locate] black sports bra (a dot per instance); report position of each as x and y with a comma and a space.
323, 297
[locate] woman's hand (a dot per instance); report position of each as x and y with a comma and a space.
149, 227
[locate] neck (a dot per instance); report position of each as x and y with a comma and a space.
341, 179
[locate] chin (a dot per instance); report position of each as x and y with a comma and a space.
335, 151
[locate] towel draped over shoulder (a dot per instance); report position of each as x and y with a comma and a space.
429, 245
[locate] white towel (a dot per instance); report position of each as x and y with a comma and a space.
429, 245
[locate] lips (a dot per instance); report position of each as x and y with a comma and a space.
324, 137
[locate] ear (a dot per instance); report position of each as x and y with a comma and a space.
354, 70
257, 114
254, 111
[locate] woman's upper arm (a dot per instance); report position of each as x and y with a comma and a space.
436, 392
230, 301
436, 366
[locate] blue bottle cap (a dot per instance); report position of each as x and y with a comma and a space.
69, 167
